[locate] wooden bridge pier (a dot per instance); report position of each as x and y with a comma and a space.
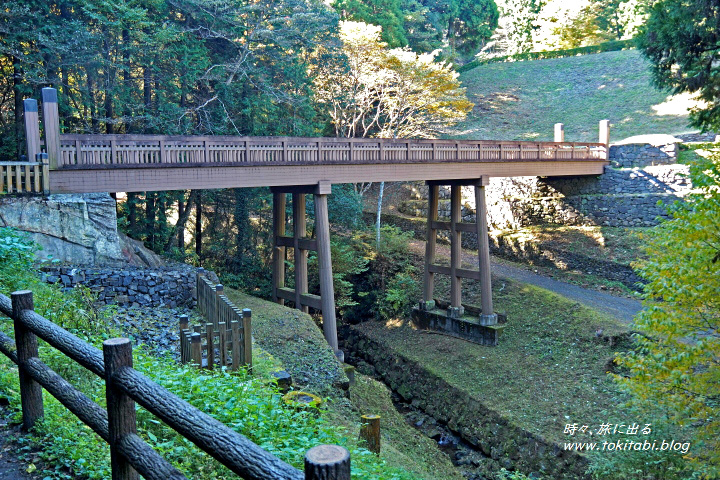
300, 243
480, 325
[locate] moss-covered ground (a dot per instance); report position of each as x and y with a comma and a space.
550, 368
297, 345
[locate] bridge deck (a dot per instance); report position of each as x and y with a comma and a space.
114, 163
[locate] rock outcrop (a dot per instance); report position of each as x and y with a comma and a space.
79, 229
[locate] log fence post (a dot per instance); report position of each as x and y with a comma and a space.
210, 336
196, 349
215, 318
327, 462
117, 353
247, 337
27, 347
370, 432
184, 325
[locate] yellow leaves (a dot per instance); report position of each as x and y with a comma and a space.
389, 93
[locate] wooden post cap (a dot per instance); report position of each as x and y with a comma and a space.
327, 462
113, 342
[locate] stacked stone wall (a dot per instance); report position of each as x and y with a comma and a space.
147, 287
621, 197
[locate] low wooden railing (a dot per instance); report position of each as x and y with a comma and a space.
130, 455
131, 151
23, 177
228, 329
231, 342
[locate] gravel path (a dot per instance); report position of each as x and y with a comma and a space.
622, 308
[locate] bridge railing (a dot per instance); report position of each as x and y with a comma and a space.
24, 177
130, 455
130, 151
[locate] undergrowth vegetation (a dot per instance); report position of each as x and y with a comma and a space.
249, 404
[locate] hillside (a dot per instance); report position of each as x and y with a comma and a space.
523, 100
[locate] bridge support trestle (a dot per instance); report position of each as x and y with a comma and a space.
455, 318
300, 244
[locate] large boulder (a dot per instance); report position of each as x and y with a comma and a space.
79, 229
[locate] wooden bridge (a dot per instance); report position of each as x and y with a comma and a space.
75, 163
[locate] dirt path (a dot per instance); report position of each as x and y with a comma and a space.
622, 308
11, 467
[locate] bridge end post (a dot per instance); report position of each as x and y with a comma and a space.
327, 291
605, 136
559, 132
32, 128
51, 122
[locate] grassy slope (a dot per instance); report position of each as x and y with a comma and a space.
548, 370
293, 339
522, 100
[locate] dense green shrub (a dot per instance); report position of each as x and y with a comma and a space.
383, 278
250, 405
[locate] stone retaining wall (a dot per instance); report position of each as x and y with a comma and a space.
641, 155
505, 444
147, 287
620, 197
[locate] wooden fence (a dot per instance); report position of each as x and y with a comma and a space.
130, 455
227, 335
230, 343
133, 151
23, 177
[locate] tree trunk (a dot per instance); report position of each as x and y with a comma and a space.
198, 225
147, 90
109, 81
91, 98
150, 218
19, 125
132, 214
127, 80
379, 213
184, 209
181, 228
241, 214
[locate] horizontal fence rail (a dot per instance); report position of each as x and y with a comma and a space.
137, 151
130, 455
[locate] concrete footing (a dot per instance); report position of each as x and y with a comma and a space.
463, 322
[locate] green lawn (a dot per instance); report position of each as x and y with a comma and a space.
523, 100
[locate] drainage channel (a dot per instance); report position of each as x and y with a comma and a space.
473, 463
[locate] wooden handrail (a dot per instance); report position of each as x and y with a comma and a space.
130, 454
90, 151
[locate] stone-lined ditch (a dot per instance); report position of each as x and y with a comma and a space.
479, 440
